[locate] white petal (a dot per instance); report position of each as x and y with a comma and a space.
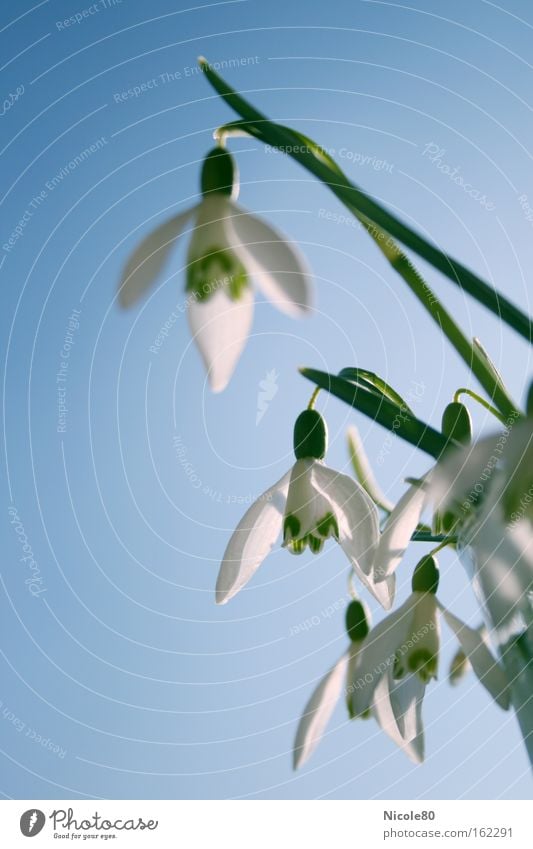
305, 501
502, 573
318, 711
487, 669
398, 530
252, 540
220, 327
397, 707
378, 652
358, 521
356, 514
148, 258
279, 267
383, 591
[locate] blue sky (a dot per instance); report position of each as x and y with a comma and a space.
120, 677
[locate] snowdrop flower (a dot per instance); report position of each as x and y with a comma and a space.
407, 513
489, 490
227, 245
403, 650
311, 503
320, 707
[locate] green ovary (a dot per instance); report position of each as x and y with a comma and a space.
217, 268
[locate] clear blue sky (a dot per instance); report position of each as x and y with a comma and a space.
142, 686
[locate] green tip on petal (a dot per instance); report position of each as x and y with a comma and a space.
328, 526
356, 622
459, 667
423, 663
219, 173
426, 576
457, 423
310, 436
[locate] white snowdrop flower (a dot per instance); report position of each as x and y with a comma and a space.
405, 517
488, 489
339, 682
228, 245
311, 503
400, 656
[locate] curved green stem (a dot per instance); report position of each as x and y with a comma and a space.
312, 400
464, 391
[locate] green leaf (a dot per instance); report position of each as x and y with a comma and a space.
362, 375
382, 411
496, 376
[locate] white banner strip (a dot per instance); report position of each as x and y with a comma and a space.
267, 824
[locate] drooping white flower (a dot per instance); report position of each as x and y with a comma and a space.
401, 655
392, 713
311, 503
489, 490
405, 517
227, 246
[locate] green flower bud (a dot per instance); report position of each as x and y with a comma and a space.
356, 622
426, 576
219, 173
310, 436
457, 423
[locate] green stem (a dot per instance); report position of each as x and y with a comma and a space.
464, 391
441, 539
312, 400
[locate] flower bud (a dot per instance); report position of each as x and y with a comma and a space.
457, 423
356, 621
310, 436
219, 173
426, 576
